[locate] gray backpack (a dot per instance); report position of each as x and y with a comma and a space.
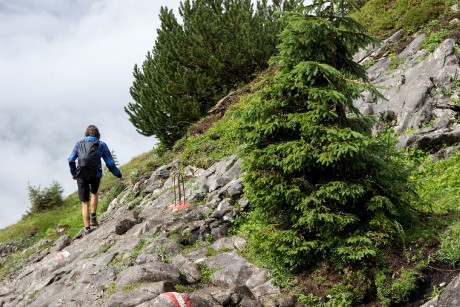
88, 160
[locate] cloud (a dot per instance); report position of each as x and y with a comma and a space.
64, 65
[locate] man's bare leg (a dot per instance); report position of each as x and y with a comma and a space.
94, 202
85, 213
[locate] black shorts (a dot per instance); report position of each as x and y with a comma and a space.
86, 186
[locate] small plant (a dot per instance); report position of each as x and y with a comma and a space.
399, 290
138, 248
208, 237
131, 287
111, 289
450, 246
184, 288
396, 62
455, 83
429, 123
118, 262
206, 273
446, 92
368, 63
210, 251
437, 291
434, 39
44, 199
404, 286
106, 247
160, 251
33, 296
134, 176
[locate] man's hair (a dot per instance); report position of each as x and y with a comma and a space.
92, 131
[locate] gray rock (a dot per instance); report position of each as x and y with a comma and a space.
163, 300
431, 139
222, 260
257, 279
220, 167
220, 231
414, 90
129, 219
232, 275
203, 299
224, 207
247, 302
135, 297
153, 186
235, 188
5, 290
218, 183
150, 272
445, 153
146, 258
229, 243
267, 293
431, 303
61, 243
188, 268
123, 226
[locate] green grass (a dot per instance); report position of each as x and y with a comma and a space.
37, 224
450, 245
384, 17
203, 150
438, 185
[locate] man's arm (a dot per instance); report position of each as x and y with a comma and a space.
72, 164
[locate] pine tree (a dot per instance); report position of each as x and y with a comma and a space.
320, 185
218, 45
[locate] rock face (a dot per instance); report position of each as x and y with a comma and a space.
147, 247
421, 92
449, 297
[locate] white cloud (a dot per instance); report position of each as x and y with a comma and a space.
65, 64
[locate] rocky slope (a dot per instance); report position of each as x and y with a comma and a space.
146, 246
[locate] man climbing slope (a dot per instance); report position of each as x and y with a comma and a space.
88, 173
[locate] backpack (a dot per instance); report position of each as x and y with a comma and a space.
88, 160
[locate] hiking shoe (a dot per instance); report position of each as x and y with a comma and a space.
85, 232
93, 222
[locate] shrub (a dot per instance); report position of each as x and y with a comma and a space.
397, 291
44, 199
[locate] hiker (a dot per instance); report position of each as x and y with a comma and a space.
88, 173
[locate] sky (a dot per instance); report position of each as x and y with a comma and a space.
66, 64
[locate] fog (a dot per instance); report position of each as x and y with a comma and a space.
65, 64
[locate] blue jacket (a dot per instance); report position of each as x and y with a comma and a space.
103, 152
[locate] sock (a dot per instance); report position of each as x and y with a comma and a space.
93, 215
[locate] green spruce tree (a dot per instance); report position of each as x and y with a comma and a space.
320, 185
218, 45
